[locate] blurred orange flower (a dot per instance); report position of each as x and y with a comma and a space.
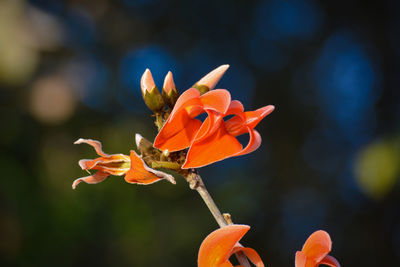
133, 167
218, 247
315, 251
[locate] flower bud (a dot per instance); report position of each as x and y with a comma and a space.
169, 92
152, 97
209, 81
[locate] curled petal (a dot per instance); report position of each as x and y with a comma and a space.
254, 117
317, 246
92, 179
254, 143
94, 143
251, 254
209, 125
217, 247
238, 124
217, 100
330, 261
140, 173
235, 107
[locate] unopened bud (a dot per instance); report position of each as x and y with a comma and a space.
152, 97
169, 92
209, 81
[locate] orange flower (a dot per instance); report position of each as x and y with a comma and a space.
181, 126
219, 246
315, 251
217, 142
214, 139
136, 171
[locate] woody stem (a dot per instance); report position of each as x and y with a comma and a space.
196, 183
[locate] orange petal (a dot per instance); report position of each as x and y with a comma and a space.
209, 126
238, 124
251, 254
254, 143
94, 143
140, 173
92, 179
189, 97
216, 147
254, 117
235, 107
111, 164
217, 246
301, 259
330, 261
217, 100
180, 128
317, 246
177, 134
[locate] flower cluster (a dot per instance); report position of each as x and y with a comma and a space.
183, 143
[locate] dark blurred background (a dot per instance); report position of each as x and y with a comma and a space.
330, 157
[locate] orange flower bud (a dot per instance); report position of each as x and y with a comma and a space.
209, 81
169, 92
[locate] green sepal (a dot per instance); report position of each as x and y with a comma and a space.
154, 100
171, 97
202, 88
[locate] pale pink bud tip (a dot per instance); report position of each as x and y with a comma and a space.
147, 82
212, 78
168, 83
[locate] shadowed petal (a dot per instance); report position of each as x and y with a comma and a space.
330, 261
180, 128
209, 126
140, 173
213, 148
235, 107
254, 143
317, 246
92, 179
217, 246
251, 254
